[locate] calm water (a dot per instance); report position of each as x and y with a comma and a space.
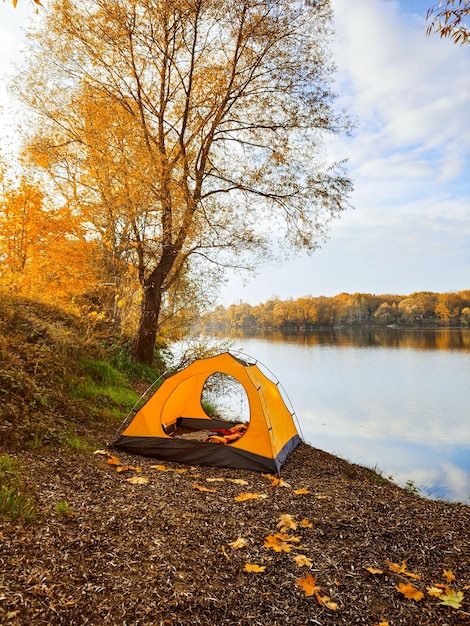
394, 400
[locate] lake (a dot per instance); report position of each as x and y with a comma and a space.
394, 400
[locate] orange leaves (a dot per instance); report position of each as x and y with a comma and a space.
447, 596
202, 488
308, 584
249, 567
243, 497
401, 569
280, 542
310, 588
410, 591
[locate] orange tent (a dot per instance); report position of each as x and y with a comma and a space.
173, 425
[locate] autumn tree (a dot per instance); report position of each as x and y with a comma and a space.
220, 109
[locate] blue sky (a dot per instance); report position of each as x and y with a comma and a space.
409, 158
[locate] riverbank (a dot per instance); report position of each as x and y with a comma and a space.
334, 543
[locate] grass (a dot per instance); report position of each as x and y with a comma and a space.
15, 502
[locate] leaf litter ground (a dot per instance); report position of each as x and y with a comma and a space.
181, 547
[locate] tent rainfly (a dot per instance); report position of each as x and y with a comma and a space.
172, 425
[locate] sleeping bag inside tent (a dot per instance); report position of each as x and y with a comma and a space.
173, 425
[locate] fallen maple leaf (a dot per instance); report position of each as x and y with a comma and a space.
452, 598
374, 570
215, 480
238, 543
306, 524
326, 601
161, 468
435, 591
137, 480
401, 569
287, 522
301, 492
301, 560
114, 460
308, 584
410, 591
382, 624
202, 488
127, 468
279, 542
238, 481
249, 496
448, 575
251, 567
104, 452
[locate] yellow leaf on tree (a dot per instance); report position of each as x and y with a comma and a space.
410, 591
448, 575
287, 522
251, 567
202, 488
238, 543
249, 496
138, 480
308, 584
301, 560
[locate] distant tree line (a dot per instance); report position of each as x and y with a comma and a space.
420, 309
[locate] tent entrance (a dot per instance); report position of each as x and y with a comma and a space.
207, 431
225, 398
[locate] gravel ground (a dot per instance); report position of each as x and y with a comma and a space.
158, 552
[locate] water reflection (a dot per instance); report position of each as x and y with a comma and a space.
416, 339
398, 401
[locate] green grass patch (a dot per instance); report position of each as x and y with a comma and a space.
15, 502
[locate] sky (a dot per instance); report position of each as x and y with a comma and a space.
408, 157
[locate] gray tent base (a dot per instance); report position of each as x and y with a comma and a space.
197, 453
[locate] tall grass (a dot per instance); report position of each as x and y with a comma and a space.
14, 502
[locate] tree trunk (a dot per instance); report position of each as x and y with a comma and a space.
144, 343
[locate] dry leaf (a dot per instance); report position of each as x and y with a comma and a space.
374, 570
382, 624
410, 592
137, 480
238, 481
287, 522
308, 584
249, 567
114, 460
301, 492
127, 468
302, 560
202, 488
161, 468
225, 553
452, 598
104, 452
326, 601
401, 569
448, 575
306, 524
249, 496
435, 591
279, 482
215, 480
279, 542
238, 543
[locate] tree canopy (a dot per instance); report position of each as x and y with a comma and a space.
187, 133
